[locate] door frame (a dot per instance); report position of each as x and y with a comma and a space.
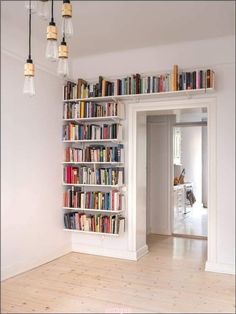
187, 102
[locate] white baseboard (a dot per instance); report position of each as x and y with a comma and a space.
220, 268
141, 252
108, 252
23, 266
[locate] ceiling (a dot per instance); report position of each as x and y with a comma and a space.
106, 26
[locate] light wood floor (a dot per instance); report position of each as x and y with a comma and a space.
170, 279
193, 223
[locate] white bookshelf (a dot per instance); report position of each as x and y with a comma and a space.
103, 188
138, 97
95, 185
94, 119
115, 141
113, 212
113, 163
92, 232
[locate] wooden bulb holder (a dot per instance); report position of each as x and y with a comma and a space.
63, 51
67, 10
51, 32
29, 69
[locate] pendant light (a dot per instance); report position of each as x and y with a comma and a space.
51, 49
67, 26
63, 66
43, 9
32, 5
29, 66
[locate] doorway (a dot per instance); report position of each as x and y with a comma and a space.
190, 190
137, 197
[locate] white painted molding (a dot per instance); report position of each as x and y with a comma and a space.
141, 252
20, 58
199, 101
220, 268
23, 266
100, 251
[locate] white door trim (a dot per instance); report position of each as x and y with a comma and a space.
199, 102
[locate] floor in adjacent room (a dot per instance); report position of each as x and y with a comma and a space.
170, 278
193, 223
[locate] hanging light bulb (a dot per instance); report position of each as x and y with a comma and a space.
29, 66
33, 6
43, 9
67, 26
63, 66
51, 49
29, 78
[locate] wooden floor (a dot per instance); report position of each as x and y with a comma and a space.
193, 223
170, 279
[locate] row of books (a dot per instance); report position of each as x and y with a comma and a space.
87, 175
88, 109
73, 131
96, 153
112, 200
137, 84
94, 223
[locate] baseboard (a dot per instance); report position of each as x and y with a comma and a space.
23, 266
108, 252
141, 252
220, 268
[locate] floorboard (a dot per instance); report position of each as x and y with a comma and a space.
170, 279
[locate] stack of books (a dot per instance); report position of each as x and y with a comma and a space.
95, 153
112, 200
94, 223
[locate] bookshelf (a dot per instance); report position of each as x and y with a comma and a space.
146, 96
93, 167
92, 116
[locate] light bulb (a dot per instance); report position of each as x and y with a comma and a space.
63, 67
33, 6
43, 9
29, 86
52, 50
67, 26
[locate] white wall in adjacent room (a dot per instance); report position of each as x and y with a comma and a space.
31, 219
217, 54
191, 158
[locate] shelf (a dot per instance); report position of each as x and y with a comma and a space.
92, 163
94, 185
93, 119
92, 232
93, 141
137, 97
114, 212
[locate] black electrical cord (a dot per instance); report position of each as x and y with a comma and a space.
52, 17
30, 29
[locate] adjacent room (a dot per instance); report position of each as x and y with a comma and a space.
118, 156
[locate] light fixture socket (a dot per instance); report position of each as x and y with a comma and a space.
29, 68
52, 31
66, 9
63, 50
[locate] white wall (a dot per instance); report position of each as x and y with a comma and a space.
204, 167
219, 55
191, 158
159, 157
31, 155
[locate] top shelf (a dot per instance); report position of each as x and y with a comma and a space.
137, 97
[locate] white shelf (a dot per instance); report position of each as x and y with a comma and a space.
95, 185
92, 163
114, 212
137, 97
92, 232
93, 119
93, 141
